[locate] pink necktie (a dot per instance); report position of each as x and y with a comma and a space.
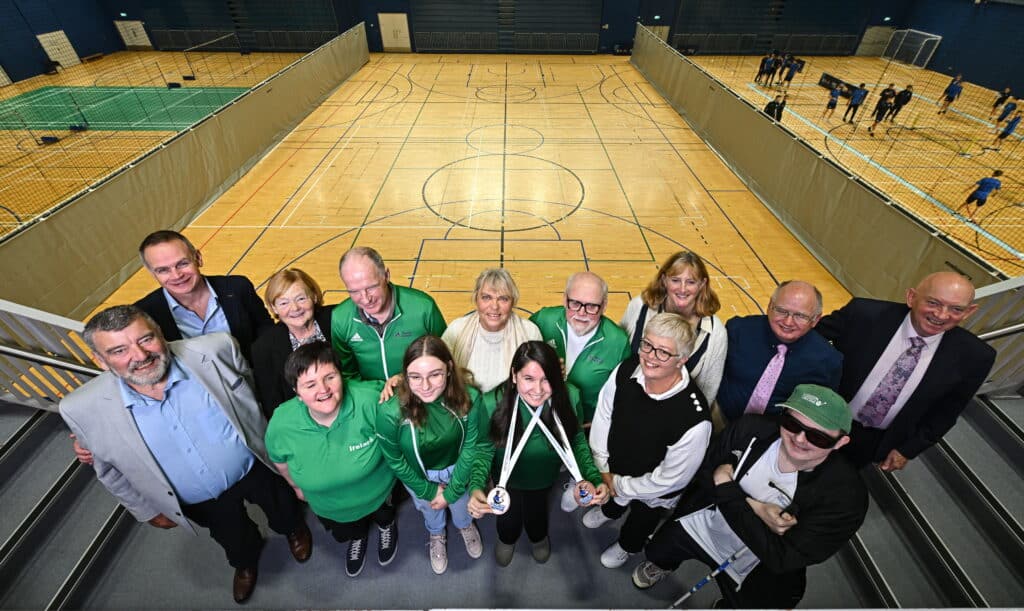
763, 391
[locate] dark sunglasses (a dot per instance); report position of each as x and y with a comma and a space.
816, 437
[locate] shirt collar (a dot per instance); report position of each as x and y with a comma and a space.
173, 304
906, 331
131, 397
638, 375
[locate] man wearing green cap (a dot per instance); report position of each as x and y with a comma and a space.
772, 497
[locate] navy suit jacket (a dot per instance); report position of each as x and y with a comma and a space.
242, 307
269, 353
861, 330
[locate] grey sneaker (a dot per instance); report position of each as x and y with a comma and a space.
503, 552
568, 502
438, 548
541, 550
471, 537
595, 518
646, 574
614, 556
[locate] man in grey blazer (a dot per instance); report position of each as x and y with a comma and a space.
177, 436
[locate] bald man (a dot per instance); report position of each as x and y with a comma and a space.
908, 369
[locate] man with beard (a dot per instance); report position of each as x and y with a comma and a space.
177, 437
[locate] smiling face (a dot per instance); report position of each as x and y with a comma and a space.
532, 384
427, 377
653, 349
793, 312
494, 308
801, 453
137, 354
294, 307
367, 287
940, 302
586, 292
682, 290
320, 389
174, 267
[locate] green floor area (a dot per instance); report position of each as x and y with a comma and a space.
113, 108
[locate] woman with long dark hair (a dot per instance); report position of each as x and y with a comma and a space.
428, 432
535, 429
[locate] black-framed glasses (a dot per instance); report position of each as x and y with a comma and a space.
816, 437
589, 308
648, 348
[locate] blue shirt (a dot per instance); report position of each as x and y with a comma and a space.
195, 444
834, 94
809, 360
191, 324
954, 90
1011, 125
986, 186
858, 95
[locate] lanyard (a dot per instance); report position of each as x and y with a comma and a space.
512, 456
416, 445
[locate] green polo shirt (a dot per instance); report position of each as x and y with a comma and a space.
443, 440
538, 465
606, 349
366, 355
340, 469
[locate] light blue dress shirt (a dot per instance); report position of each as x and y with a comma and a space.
190, 437
191, 324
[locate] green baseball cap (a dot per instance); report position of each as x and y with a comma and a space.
821, 405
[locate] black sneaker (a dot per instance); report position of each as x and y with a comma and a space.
387, 543
356, 556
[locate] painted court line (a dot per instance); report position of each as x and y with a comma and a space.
898, 179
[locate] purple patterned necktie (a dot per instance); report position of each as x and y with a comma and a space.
878, 404
763, 391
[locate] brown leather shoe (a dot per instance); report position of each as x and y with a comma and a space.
300, 543
244, 584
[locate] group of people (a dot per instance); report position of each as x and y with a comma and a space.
775, 64
713, 441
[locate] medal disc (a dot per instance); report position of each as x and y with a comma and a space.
498, 500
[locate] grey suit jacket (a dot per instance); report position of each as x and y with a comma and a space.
97, 416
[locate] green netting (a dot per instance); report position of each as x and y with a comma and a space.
113, 108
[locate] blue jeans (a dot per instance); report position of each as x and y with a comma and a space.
434, 519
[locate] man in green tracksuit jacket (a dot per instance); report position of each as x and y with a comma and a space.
372, 328
590, 344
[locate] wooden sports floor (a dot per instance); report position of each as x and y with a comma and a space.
546, 165
923, 160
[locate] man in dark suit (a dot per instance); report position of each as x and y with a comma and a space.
908, 370
189, 304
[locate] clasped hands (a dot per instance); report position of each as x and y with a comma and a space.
773, 516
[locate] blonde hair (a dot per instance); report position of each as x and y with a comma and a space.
672, 326
500, 280
282, 280
707, 302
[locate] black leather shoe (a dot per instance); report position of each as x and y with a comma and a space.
244, 584
300, 543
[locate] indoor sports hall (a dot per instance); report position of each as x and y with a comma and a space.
542, 137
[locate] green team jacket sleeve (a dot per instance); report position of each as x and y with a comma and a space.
481, 469
388, 426
341, 320
476, 425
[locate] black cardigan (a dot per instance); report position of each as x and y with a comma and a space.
270, 351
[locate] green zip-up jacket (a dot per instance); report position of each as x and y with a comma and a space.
538, 465
368, 356
443, 440
606, 349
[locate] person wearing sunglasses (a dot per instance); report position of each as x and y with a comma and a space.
650, 432
770, 354
772, 497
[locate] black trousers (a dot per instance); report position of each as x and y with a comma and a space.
852, 111
895, 110
762, 589
358, 529
528, 509
229, 524
641, 522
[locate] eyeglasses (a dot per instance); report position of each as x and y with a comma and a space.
300, 301
662, 355
180, 266
589, 308
815, 437
799, 317
368, 292
436, 378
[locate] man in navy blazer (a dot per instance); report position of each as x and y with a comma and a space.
951, 365
189, 304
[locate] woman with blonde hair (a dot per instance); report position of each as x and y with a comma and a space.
681, 287
485, 340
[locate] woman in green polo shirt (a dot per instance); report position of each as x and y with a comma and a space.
323, 442
428, 432
535, 398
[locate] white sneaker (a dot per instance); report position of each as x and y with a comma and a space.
438, 547
595, 518
614, 556
569, 503
471, 537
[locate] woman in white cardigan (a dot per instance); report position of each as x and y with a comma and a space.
682, 287
485, 340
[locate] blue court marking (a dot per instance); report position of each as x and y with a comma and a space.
890, 174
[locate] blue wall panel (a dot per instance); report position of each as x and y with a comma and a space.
20, 53
985, 42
